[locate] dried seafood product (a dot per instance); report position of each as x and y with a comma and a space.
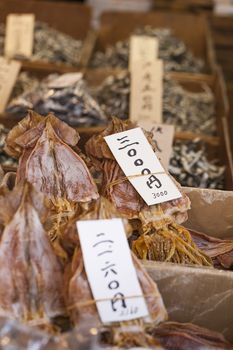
187, 336
185, 109
190, 166
157, 223
219, 250
80, 301
172, 50
46, 160
66, 96
31, 276
51, 45
24, 82
5, 159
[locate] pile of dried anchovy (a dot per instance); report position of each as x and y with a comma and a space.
72, 103
187, 110
190, 166
5, 159
50, 45
171, 49
24, 82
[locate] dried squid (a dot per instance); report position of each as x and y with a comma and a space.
31, 275
46, 160
156, 224
187, 336
80, 300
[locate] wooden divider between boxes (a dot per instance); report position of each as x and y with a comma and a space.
119, 26
194, 6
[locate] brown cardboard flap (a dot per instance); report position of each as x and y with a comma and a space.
211, 212
203, 296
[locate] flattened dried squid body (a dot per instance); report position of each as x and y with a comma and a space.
118, 189
172, 243
219, 250
183, 336
31, 276
48, 162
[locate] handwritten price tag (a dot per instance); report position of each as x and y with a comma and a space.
143, 48
146, 92
19, 35
9, 71
138, 161
110, 270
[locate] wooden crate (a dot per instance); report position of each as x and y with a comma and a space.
194, 6
70, 18
119, 26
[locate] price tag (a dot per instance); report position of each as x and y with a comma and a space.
147, 92
163, 136
9, 71
65, 80
138, 161
143, 48
19, 35
223, 7
110, 270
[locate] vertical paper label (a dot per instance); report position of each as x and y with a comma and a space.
143, 48
163, 136
8, 75
138, 161
110, 270
147, 92
19, 35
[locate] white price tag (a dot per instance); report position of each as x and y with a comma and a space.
142, 48
19, 35
110, 270
146, 97
65, 80
9, 71
138, 161
163, 136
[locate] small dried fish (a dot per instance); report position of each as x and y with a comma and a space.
190, 166
24, 82
187, 110
71, 102
50, 45
171, 49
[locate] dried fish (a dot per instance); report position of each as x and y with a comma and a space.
50, 45
190, 166
5, 159
70, 101
43, 145
24, 82
219, 250
187, 336
31, 276
80, 301
172, 50
187, 110
160, 235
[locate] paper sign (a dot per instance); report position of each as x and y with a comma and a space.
110, 270
19, 35
223, 7
143, 48
147, 92
163, 136
9, 71
65, 80
138, 161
